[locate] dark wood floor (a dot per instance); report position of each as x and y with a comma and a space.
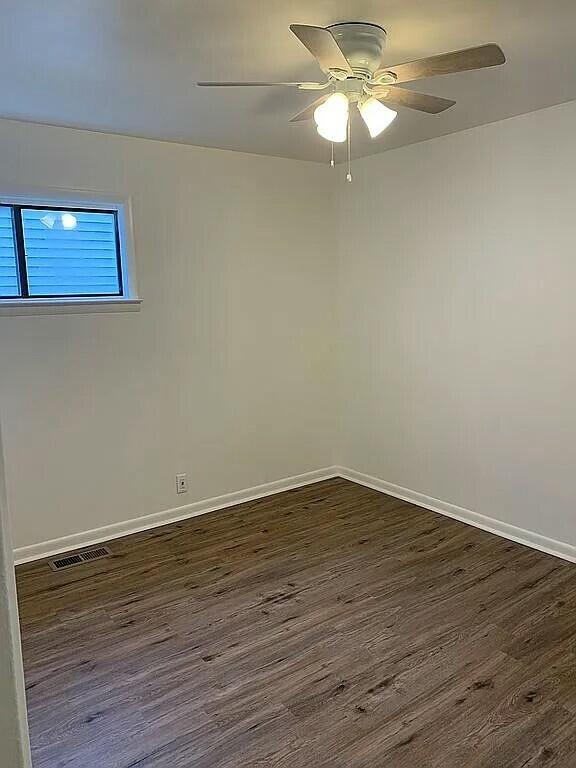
326, 626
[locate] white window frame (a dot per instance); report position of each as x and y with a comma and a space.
129, 301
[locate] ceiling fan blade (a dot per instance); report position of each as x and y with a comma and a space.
322, 46
402, 97
308, 113
254, 85
489, 55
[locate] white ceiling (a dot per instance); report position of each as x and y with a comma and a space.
129, 66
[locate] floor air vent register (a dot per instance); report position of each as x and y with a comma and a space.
69, 561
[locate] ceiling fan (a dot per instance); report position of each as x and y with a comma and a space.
350, 55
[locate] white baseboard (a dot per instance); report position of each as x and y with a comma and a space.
505, 530
116, 530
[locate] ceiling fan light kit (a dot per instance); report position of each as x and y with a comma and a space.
332, 118
350, 54
376, 115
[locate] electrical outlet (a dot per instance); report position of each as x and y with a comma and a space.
182, 483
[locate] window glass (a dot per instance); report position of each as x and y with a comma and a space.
9, 287
71, 252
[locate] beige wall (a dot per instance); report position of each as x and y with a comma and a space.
458, 321
225, 373
451, 353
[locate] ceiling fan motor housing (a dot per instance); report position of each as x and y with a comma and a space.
362, 44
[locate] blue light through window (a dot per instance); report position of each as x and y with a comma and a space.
71, 253
9, 286
64, 252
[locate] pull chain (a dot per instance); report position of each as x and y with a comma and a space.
331, 154
349, 174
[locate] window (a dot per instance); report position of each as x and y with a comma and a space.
60, 252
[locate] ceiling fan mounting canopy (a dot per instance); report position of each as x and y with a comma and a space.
362, 44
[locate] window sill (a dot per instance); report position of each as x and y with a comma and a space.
67, 306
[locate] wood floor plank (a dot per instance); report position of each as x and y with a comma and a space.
327, 626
